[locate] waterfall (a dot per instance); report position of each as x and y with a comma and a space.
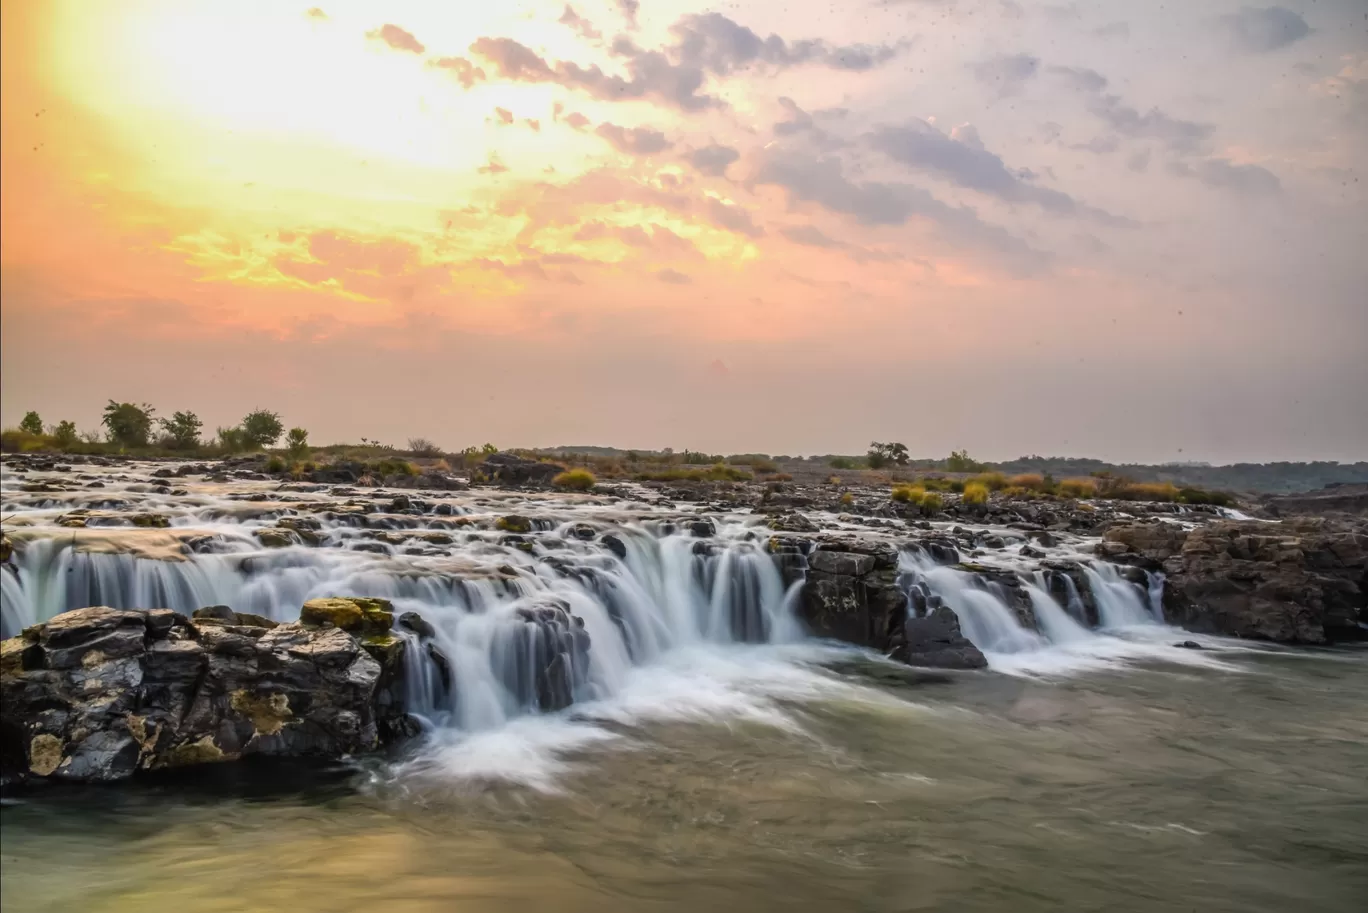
1120, 603
988, 620
482, 664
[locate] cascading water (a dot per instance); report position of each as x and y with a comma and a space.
987, 619
486, 598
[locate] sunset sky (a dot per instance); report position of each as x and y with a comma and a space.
1137, 231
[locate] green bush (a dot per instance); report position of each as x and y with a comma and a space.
575, 480
932, 502
297, 443
275, 464
843, 463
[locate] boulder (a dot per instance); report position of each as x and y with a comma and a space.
355, 614
850, 590
98, 694
935, 641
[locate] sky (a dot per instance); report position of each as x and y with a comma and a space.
1134, 231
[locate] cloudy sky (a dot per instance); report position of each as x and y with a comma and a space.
1130, 230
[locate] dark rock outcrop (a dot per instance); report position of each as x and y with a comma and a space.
1296, 581
100, 693
936, 641
511, 469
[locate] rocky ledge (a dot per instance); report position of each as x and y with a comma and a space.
100, 693
1298, 581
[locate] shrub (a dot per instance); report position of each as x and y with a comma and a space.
766, 466
442, 466
847, 499
1201, 496
932, 502
31, 423
975, 493
183, 429
128, 425
64, 434
908, 494
781, 477
261, 428
1078, 488
232, 440
297, 442
422, 447
575, 480
833, 480
993, 481
275, 464
843, 463
391, 466
1030, 481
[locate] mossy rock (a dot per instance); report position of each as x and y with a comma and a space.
514, 524
6, 549
150, 521
360, 615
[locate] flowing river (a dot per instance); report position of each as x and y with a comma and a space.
715, 757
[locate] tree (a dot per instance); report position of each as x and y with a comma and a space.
184, 428
881, 455
31, 423
231, 440
127, 424
297, 443
262, 428
64, 433
960, 461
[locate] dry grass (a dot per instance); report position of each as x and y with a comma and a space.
575, 480
1078, 488
908, 494
975, 493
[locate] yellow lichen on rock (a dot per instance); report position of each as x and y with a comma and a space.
356, 614
45, 754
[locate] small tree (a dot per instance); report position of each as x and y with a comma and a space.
960, 461
127, 424
64, 433
297, 443
31, 423
184, 429
262, 428
422, 447
881, 455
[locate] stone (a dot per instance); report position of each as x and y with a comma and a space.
615, 545
355, 614
935, 641
513, 523
99, 694
511, 469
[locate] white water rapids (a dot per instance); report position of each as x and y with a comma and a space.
683, 622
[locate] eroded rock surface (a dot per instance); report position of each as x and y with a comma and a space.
100, 693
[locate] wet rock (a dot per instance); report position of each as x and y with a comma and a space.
356, 614
1296, 581
272, 537
100, 693
850, 592
513, 523
412, 621
615, 545
702, 529
6, 549
935, 641
1189, 645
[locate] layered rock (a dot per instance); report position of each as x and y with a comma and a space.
511, 469
101, 693
1297, 581
852, 592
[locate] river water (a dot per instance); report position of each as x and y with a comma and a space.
1086, 770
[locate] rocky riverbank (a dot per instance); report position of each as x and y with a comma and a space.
169, 614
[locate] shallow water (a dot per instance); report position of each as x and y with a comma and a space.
793, 786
